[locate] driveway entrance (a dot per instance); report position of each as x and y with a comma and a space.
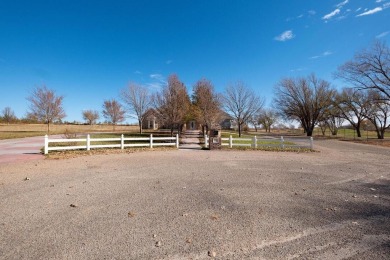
21, 149
191, 139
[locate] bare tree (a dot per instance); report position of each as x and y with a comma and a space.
8, 115
173, 103
138, 101
253, 120
241, 103
332, 118
369, 69
207, 104
304, 100
353, 105
267, 118
90, 116
334, 121
46, 106
113, 112
378, 113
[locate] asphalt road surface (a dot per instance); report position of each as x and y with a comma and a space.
332, 204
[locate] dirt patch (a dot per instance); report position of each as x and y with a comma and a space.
385, 143
195, 204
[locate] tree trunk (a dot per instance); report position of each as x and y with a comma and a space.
323, 130
383, 133
48, 127
309, 131
239, 130
380, 133
140, 126
359, 134
180, 128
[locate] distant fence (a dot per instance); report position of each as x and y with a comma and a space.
270, 142
120, 142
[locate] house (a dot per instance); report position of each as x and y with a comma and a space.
228, 122
150, 120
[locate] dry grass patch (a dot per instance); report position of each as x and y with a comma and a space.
29, 130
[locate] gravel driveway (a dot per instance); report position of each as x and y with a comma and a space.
332, 204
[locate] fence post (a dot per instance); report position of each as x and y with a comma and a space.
177, 141
206, 141
311, 142
46, 144
282, 142
230, 141
88, 142
151, 141
122, 142
254, 142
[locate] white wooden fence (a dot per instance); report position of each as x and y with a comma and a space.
141, 142
255, 142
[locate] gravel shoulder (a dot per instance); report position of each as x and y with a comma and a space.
331, 204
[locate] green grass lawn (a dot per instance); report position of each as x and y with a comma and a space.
350, 134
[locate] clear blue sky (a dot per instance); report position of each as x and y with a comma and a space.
89, 50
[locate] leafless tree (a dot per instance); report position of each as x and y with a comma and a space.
332, 119
46, 106
173, 103
8, 115
353, 105
90, 116
267, 118
369, 69
113, 112
241, 103
334, 122
137, 100
254, 121
378, 113
207, 104
304, 100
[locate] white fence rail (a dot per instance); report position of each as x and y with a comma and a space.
89, 142
255, 142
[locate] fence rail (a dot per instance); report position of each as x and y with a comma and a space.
141, 142
255, 142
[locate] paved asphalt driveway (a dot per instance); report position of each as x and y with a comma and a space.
21, 149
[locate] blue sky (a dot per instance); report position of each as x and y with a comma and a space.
89, 50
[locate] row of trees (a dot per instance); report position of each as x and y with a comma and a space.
8, 116
173, 106
309, 100
313, 102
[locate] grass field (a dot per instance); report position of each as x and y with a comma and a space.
350, 134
